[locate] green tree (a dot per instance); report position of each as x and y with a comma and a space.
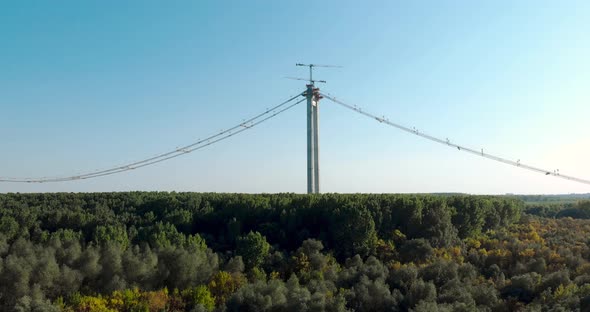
353, 231
416, 250
112, 234
253, 248
199, 295
9, 227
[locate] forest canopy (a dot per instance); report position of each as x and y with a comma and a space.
153, 251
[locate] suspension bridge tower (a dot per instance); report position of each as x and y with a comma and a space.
313, 144
313, 128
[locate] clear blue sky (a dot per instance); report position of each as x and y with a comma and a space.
87, 85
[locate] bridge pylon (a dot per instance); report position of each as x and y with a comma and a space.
313, 129
313, 144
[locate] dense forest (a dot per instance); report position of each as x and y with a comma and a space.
148, 251
557, 206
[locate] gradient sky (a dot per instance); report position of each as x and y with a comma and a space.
87, 85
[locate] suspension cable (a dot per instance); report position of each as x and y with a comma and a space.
481, 153
222, 135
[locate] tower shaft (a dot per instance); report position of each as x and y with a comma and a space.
313, 166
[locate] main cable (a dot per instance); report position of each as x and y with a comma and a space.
222, 135
481, 153
228, 135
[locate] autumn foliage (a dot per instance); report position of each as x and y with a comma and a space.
211, 252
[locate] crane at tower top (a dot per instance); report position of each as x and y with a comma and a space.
311, 66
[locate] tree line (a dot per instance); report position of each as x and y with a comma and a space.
143, 251
576, 210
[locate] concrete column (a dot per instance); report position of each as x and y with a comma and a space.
310, 141
316, 144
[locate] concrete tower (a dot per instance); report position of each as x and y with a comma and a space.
313, 146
